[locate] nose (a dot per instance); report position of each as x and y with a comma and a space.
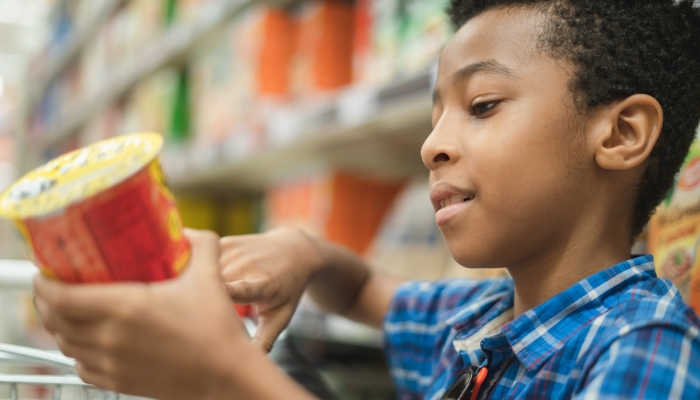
439, 148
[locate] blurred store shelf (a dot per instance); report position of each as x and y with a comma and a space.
16, 274
63, 59
384, 140
170, 48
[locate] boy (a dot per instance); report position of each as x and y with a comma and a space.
558, 128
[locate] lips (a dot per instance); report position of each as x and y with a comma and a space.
448, 200
453, 199
443, 194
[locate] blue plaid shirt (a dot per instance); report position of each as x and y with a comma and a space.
621, 333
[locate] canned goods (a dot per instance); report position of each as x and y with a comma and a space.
102, 213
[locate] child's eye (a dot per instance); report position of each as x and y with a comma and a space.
479, 109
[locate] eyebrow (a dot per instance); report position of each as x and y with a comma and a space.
490, 67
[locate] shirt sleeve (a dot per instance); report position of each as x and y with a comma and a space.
653, 362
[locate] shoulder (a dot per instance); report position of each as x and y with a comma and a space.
658, 360
654, 303
646, 346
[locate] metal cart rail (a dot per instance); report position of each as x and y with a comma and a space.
64, 384
18, 275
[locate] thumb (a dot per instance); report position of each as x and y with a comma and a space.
204, 260
270, 325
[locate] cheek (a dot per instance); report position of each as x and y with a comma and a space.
517, 169
525, 191
525, 153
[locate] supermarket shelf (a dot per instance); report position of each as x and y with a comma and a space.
172, 47
385, 143
81, 38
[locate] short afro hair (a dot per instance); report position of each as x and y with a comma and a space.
619, 48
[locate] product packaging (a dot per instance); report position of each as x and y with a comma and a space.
102, 213
674, 232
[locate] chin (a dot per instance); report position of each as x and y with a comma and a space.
467, 254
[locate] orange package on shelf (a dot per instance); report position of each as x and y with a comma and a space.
358, 210
325, 46
362, 38
340, 207
280, 30
301, 203
333, 63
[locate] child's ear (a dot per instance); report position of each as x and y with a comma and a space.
628, 132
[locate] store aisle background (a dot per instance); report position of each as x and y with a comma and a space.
303, 113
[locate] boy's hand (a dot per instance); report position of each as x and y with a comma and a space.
176, 339
271, 271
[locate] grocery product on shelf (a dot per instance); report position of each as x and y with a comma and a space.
325, 46
198, 212
341, 207
150, 105
227, 216
240, 215
225, 88
674, 231
280, 36
376, 41
101, 214
358, 208
301, 202
423, 30
253, 83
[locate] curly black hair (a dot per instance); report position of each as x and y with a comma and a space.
619, 48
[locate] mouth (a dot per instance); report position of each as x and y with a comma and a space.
449, 200
454, 199
443, 194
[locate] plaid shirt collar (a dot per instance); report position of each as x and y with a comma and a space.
533, 341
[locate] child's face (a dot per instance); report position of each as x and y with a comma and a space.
507, 139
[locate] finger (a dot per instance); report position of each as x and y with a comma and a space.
80, 331
229, 242
230, 259
233, 241
87, 355
94, 377
204, 261
270, 327
246, 292
83, 301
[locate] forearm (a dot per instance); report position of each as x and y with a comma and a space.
345, 284
339, 278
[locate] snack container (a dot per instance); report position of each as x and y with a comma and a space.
102, 213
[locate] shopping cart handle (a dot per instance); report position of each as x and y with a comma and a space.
28, 354
43, 380
17, 274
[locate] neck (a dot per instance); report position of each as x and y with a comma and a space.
588, 251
